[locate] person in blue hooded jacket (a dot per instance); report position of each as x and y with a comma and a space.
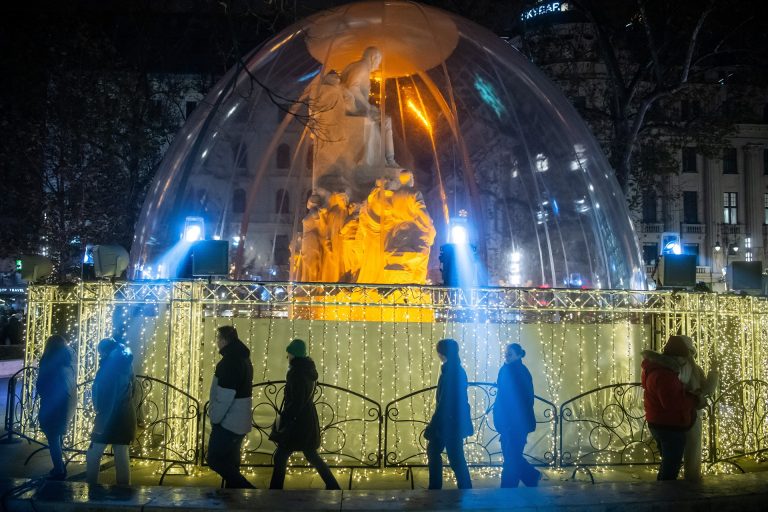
452, 421
58, 398
514, 418
115, 423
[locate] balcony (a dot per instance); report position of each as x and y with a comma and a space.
656, 227
694, 229
732, 229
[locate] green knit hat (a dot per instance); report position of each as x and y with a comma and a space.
297, 348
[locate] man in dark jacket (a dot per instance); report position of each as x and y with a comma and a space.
669, 408
452, 421
298, 428
514, 419
230, 407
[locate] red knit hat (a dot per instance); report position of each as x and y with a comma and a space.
676, 346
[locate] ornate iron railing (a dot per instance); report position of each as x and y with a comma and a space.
337, 409
407, 417
163, 434
602, 427
606, 427
739, 423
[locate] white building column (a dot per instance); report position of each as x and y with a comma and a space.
713, 207
753, 187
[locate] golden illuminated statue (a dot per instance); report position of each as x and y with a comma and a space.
369, 233
314, 235
336, 217
408, 235
352, 247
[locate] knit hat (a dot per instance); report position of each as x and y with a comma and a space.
297, 348
676, 346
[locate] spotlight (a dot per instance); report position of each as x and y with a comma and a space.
459, 234
194, 229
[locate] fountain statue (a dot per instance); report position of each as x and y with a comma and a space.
313, 240
336, 216
409, 234
353, 140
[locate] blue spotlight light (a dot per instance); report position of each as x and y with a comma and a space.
459, 235
194, 229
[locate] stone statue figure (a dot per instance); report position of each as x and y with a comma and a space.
408, 235
314, 234
336, 217
352, 247
356, 79
349, 151
294, 264
370, 235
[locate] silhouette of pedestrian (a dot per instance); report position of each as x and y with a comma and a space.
115, 421
514, 418
230, 408
298, 428
58, 398
451, 422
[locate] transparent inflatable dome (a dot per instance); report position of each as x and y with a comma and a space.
373, 138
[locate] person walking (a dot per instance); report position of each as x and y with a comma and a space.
115, 421
58, 398
451, 422
669, 408
230, 408
298, 427
514, 418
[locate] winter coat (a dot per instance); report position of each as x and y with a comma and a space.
298, 427
232, 389
57, 390
452, 418
113, 390
513, 409
667, 404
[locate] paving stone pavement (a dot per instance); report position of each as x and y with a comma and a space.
724, 493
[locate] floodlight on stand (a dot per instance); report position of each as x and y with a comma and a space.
194, 229
670, 244
459, 232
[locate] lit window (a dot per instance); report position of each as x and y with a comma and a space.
730, 208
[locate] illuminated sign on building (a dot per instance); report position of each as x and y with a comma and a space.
12, 290
544, 8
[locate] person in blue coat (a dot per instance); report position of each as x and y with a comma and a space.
58, 398
115, 422
514, 418
451, 422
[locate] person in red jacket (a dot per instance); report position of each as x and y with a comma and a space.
669, 408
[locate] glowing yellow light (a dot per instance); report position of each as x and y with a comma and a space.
422, 117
